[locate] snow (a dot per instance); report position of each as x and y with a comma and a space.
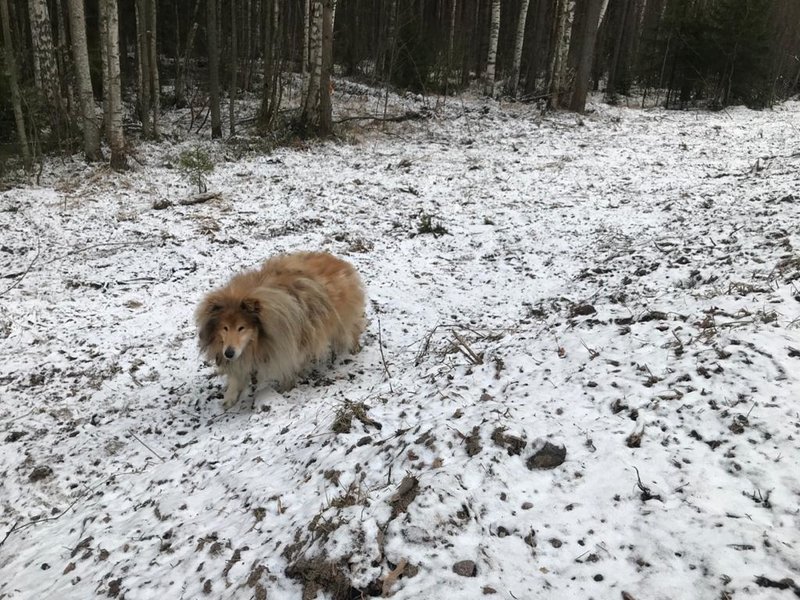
624, 272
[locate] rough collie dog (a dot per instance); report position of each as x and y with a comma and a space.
275, 321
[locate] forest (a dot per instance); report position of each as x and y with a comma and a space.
576, 225
81, 73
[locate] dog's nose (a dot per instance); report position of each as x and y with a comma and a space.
229, 352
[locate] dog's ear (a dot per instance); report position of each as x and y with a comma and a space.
251, 305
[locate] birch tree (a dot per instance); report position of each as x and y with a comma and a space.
112, 85
559, 68
491, 57
309, 116
80, 57
13, 82
45, 69
519, 38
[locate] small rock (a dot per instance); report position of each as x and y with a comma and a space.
487, 590
39, 473
555, 542
548, 456
598, 577
465, 568
473, 441
582, 310
527, 505
14, 436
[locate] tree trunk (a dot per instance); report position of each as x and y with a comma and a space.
13, 82
270, 95
491, 56
45, 69
451, 37
143, 67
310, 115
587, 41
559, 71
306, 36
513, 82
213, 68
232, 83
80, 53
325, 84
112, 84
182, 66
155, 84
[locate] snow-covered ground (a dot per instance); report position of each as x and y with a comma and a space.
623, 285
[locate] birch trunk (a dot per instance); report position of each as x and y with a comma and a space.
112, 85
491, 58
13, 82
559, 74
80, 54
513, 83
45, 69
310, 114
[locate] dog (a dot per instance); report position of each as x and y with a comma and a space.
274, 322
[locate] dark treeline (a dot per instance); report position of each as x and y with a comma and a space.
76, 71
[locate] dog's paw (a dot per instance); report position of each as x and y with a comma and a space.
229, 400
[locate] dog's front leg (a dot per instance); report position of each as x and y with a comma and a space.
235, 386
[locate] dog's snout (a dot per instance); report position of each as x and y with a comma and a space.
229, 352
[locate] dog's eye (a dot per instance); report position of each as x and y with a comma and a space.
241, 328
225, 328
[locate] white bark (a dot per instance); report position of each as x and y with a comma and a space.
80, 56
112, 87
494, 36
45, 69
559, 76
603, 8
311, 101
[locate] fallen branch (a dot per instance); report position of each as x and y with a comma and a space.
190, 201
464, 348
199, 198
411, 115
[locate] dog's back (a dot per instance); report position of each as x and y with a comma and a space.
342, 285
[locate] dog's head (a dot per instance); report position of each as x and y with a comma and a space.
227, 326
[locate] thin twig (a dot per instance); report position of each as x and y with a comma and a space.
383, 358
464, 348
136, 437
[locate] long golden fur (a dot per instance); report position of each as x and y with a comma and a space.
274, 321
